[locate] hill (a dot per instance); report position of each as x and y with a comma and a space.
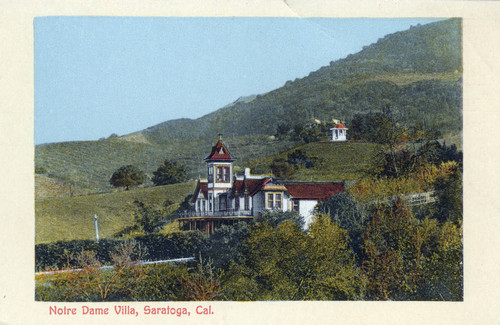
67, 218
417, 73
332, 161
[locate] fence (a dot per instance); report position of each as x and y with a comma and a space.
411, 199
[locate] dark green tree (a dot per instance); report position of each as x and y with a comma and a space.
449, 203
127, 176
148, 218
169, 172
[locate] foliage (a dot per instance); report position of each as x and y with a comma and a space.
169, 172
300, 158
62, 254
147, 218
281, 169
274, 218
408, 259
127, 176
202, 285
449, 204
283, 263
348, 214
333, 271
421, 180
92, 284
225, 245
162, 282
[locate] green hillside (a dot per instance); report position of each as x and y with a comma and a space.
89, 165
332, 161
70, 218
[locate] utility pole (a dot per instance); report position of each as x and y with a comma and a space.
96, 228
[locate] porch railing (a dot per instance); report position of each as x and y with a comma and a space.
227, 213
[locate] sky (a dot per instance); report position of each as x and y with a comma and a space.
95, 76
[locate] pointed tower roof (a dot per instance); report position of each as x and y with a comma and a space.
219, 152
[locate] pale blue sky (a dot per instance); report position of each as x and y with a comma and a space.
100, 75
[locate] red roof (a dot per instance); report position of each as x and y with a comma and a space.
340, 126
251, 185
314, 191
203, 187
219, 152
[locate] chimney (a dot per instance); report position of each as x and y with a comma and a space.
247, 172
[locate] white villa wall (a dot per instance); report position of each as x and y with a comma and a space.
306, 210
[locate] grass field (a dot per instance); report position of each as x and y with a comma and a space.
334, 161
87, 166
68, 218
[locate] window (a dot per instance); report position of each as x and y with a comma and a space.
236, 202
277, 201
295, 205
222, 174
247, 202
211, 174
210, 203
223, 202
273, 201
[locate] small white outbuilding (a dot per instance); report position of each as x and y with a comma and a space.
338, 133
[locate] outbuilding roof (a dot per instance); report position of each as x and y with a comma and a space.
314, 191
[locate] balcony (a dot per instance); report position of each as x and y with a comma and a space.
208, 214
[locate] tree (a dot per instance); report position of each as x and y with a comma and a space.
148, 218
345, 211
169, 172
449, 203
127, 176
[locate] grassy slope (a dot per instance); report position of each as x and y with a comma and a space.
72, 217
90, 164
336, 161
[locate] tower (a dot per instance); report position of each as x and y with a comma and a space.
219, 176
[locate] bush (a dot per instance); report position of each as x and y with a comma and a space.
274, 218
58, 255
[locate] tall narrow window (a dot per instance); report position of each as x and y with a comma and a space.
218, 175
236, 202
223, 202
295, 205
210, 203
247, 202
277, 201
269, 201
210, 174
